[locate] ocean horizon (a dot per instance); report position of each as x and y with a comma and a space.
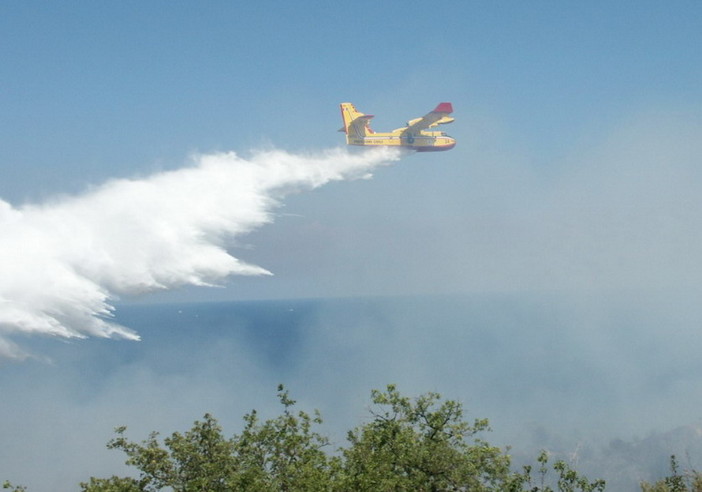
569, 375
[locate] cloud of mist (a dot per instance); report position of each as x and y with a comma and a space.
610, 352
618, 210
64, 261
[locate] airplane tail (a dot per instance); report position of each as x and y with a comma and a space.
356, 124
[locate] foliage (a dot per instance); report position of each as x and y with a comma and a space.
112, 484
279, 454
283, 453
420, 444
14, 488
568, 479
675, 482
200, 459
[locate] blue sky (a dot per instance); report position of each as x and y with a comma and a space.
577, 176
93, 91
97, 90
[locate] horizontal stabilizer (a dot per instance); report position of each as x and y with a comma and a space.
355, 122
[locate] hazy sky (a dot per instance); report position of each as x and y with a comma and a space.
577, 170
577, 126
566, 115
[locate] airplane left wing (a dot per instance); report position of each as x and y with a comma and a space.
437, 117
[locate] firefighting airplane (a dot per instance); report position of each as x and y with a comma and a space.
413, 136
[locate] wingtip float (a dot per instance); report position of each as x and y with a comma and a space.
414, 136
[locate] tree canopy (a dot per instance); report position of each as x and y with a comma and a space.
409, 444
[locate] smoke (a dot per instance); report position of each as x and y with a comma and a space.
65, 261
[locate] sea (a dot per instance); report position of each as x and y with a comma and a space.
611, 384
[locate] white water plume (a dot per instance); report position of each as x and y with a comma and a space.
62, 262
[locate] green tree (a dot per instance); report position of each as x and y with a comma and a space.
675, 482
568, 480
14, 488
200, 459
283, 454
422, 445
112, 484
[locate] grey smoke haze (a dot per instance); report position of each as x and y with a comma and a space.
620, 211
548, 372
597, 338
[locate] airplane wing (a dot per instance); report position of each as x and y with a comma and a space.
436, 117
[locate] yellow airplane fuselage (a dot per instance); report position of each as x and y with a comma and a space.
422, 142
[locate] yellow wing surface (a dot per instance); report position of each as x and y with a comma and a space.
439, 116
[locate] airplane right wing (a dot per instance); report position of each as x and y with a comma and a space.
437, 117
